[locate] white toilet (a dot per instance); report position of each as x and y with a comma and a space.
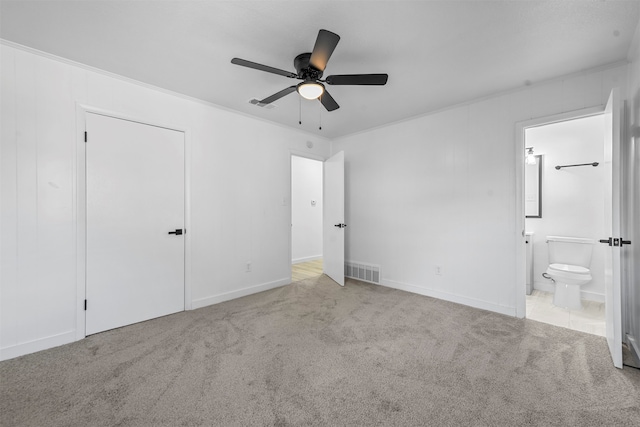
569, 262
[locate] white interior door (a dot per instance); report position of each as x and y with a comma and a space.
612, 266
135, 197
333, 218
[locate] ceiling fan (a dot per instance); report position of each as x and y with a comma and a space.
309, 68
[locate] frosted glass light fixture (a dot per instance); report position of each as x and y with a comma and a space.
310, 90
530, 159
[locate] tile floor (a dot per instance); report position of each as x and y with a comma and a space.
590, 319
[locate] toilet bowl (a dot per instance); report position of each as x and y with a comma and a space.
569, 262
568, 279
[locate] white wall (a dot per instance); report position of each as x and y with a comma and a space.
631, 224
439, 190
240, 189
306, 217
435, 190
572, 198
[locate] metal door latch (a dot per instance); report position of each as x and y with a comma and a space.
607, 241
617, 242
340, 225
178, 232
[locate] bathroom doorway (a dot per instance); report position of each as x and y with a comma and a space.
565, 196
612, 240
306, 218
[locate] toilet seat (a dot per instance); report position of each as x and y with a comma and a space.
568, 268
569, 274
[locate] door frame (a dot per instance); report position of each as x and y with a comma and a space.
521, 270
310, 156
80, 205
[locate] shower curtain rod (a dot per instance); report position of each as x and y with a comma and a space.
594, 164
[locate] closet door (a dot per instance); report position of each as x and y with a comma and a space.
135, 198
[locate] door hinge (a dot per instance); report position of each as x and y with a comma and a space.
85, 305
85, 136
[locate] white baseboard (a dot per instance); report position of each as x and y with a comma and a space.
634, 348
592, 296
585, 295
544, 287
37, 345
70, 336
509, 311
305, 259
227, 296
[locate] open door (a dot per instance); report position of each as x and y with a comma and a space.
612, 266
333, 218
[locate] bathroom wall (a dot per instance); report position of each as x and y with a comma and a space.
572, 198
306, 209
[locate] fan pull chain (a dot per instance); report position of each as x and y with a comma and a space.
320, 111
299, 110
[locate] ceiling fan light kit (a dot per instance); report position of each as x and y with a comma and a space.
309, 68
310, 90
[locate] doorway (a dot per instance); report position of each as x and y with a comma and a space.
306, 218
564, 196
612, 239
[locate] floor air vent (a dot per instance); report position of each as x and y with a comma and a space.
365, 272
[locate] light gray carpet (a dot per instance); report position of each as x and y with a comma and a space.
313, 353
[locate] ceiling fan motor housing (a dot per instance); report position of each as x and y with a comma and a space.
304, 70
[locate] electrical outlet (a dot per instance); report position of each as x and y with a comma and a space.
438, 270
248, 266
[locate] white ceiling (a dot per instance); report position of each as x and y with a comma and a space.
437, 53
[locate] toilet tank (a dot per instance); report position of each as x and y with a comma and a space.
570, 250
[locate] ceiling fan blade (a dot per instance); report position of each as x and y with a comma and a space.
358, 79
327, 100
325, 44
256, 66
278, 95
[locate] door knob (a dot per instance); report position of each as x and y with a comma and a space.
178, 232
618, 242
